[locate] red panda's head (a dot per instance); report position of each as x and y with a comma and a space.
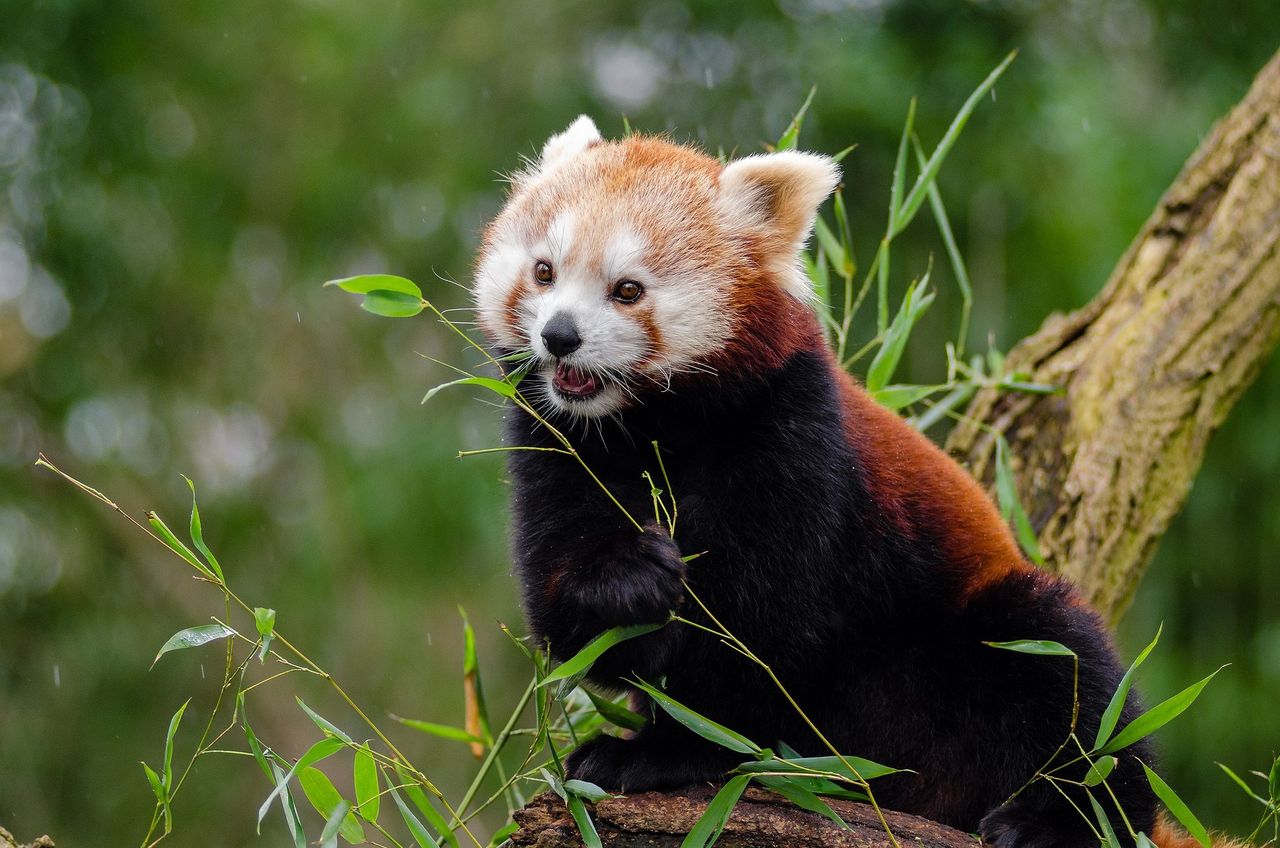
622, 266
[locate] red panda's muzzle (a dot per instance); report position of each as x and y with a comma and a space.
575, 383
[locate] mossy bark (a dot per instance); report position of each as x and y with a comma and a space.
1150, 367
1149, 370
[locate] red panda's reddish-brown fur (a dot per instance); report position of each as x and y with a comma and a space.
868, 568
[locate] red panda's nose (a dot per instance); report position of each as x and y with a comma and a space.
560, 335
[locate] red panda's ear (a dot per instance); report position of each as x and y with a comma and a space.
562, 147
777, 195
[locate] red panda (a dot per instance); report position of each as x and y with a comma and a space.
660, 297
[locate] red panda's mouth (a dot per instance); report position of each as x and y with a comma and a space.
574, 383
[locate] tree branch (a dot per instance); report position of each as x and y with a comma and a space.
1151, 366
761, 820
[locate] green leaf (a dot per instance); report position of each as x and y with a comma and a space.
291, 817
900, 168
1273, 780
582, 819
390, 304
415, 825
797, 794
365, 283
168, 745
1144, 841
700, 724
175, 545
711, 824
324, 724
1099, 770
896, 397
1041, 647
958, 267
1011, 508
432, 815
325, 797
849, 267
1112, 713
497, 386
1240, 782
444, 731
193, 637
1108, 832
580, 662
857, 770
914, 304
791, 136
366, 783
617, 714
197, 535
911, 203
1177, 807
556, 785
265, 619
326, 747
586, 790
831, 246
162, 795
333, 824
1157, 717
503, 834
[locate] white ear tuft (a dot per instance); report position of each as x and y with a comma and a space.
779, 192
777, 195
562, 147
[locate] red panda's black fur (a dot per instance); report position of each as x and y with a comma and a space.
851, 554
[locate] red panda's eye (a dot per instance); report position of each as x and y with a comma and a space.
627, 291
543, 274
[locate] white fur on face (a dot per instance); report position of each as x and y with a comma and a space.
589, 259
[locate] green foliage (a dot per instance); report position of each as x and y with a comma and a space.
177, 284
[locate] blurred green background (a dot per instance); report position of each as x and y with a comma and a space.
177, 179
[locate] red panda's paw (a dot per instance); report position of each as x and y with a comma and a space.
1016, 825
647, 763
642, 583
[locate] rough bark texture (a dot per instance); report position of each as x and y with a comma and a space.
8, 841
1150, 368
761, 820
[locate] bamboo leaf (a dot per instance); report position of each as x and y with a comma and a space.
390, 304
617, 714
497, 386
708, 828
586, 827
325, 797
582, 661
324, 724
1108, 832
914, 304
896, 397
197, 533
1157, 717
168, 746
1099, 770
365, 283
326, 747
700, 724
444, 731
193, 637
911, 203
415, 825
1112, 713
1041, 647
366, 784
175, 545
791, 136
1177, 807
1011, 508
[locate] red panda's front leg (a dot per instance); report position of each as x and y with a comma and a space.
583, 588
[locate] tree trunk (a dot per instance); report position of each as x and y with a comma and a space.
1149, 370
1150, 367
